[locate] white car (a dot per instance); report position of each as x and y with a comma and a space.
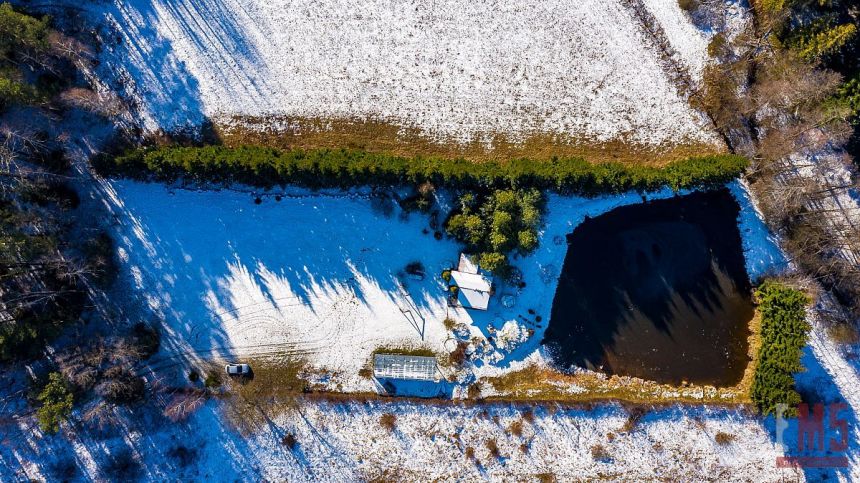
237, 369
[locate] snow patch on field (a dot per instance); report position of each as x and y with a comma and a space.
456, 70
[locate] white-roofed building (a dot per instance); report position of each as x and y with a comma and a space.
474, 287
398, 366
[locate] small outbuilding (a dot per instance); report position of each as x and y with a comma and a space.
474, 286
399, 366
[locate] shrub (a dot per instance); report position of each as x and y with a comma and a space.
421, 200
449, 323
783, 335
121, 386
193, 376
458, 356
718, 45
493, 448
529, 416
599, 453
182, 455
446, 275
470, 453
100, 260
388, 421
289, 440
516, 428
123, 467
415, 268
213, 379
633, 418
57, 401
146, 339
724, 439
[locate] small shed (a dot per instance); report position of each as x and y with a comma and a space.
474, 287
399, 366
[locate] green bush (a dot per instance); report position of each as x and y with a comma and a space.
57, 402
783, 335
19, 34
848, 95
498, 223
820, 38
18, 30
318, 168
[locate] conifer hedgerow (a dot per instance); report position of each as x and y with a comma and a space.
317, 168
784, 333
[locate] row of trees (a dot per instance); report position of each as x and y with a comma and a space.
784, 333
262, 166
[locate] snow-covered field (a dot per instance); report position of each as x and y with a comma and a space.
321, 276
586, 70
345, 442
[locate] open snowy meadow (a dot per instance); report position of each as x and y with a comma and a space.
582, 71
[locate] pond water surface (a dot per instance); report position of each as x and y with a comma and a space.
656, 290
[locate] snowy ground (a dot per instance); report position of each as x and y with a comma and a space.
585, 70
345, 442
320, 276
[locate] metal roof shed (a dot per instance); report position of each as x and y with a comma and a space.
474, 289
397, 366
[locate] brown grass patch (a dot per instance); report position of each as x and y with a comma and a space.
403, 350
537, 383
375, 136
274, 389
843, 333
545, 477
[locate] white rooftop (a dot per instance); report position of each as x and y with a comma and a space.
398, 366
467, 264
474, 286
473, 299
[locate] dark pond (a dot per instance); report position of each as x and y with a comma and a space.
656, 290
